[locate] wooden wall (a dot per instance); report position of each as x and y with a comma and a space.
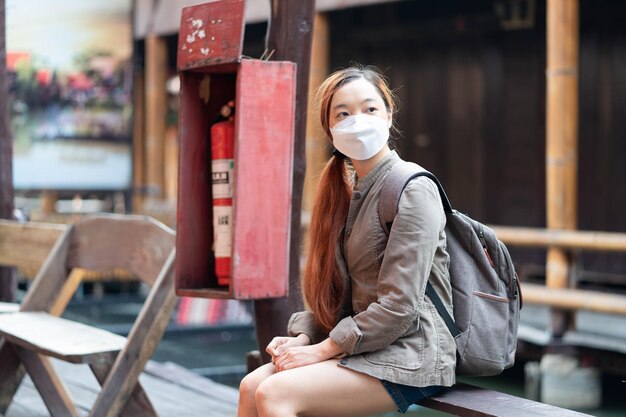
472, 109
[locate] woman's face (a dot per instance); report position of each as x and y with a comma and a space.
357, 97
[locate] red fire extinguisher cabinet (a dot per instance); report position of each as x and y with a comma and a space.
213, 72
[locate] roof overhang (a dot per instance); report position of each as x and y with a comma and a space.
163, 17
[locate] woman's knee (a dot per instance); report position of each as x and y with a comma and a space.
265, 394
250, 383
272, 399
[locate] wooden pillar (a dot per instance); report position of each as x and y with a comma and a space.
139, 154
316, 141
156, 109
562, 135
171, 163
48, 200
8, 280
290, 33
6, 139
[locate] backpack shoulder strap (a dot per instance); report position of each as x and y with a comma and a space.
398, 177
441, 309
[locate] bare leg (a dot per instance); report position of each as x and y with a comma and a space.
248, 387
323, 389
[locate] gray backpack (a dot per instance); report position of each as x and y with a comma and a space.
485, 289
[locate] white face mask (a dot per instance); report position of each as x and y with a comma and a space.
360, 136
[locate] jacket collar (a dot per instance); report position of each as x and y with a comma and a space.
365, 183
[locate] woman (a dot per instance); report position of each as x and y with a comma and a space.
371, 342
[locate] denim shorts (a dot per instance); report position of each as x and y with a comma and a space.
405, 395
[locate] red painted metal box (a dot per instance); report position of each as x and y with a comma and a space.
213, 73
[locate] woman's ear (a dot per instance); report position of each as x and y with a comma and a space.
389, 120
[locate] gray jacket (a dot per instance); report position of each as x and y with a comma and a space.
387, 327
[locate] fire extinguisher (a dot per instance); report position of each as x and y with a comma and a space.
222, 166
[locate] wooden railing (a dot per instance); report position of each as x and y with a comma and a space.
565, 239
568, 240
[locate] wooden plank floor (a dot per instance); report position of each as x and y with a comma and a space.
173, 390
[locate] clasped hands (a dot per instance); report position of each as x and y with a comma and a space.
294, 352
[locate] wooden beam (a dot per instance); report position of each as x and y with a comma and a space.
317, 146
8, 277
138, 404
290, 34
562, 125
47, 382
48, 201
142, 342
51, 276
316, 142
11, 374
562, 137
67, 291
6, 139
139, 140
574, 299
41, 296
171, 163
563, 239
155, 108
26, 245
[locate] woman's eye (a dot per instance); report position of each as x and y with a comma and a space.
372, 109
342, 114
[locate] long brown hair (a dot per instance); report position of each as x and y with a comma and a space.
322, 281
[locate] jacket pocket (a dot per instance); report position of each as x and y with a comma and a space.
405, 353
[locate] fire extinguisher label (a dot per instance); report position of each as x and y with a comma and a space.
222, 178
222, 226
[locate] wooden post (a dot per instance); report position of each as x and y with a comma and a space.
48, 200
8, 280
6, 140
155, 108
171, 163
290, 33
562, 136
139, 154
316, 143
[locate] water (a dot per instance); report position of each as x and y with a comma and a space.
55, 149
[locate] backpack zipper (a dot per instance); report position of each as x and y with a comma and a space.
481, 237
518, 291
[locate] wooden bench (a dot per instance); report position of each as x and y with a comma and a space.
27, 245
63, 339
33, 334
470, 401
135, 244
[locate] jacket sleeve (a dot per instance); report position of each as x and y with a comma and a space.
404, 271
304, 322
